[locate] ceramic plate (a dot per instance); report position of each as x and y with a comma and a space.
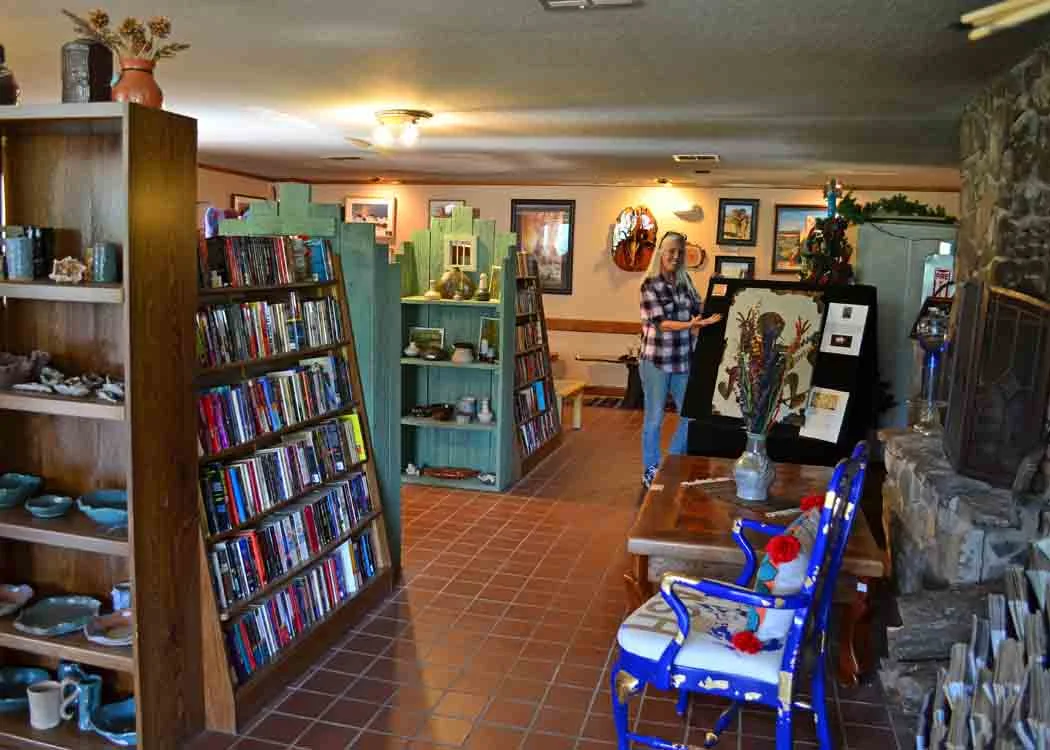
13, 684
117, 629
57, 615
106, 507
49, 506
13, 598
116, 722
15, 488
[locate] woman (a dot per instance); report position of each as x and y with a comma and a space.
671, 318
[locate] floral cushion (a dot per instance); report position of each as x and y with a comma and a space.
652, 627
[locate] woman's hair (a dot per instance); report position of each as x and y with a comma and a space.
656, 263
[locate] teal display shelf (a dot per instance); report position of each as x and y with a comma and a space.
417, 362
437, 424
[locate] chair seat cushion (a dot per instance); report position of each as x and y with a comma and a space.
651, 627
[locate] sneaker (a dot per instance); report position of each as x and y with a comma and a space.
649, 476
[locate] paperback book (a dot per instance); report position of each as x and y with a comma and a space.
264, 261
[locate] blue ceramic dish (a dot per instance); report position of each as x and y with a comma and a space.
49, 506
105, 507
57, 615
17, 488
116, 722
13, 684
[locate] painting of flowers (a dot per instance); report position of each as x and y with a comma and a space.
767, 365
737, 221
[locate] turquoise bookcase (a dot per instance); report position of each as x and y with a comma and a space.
430, 443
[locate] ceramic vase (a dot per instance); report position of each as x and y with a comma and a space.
137, 83
753, 471
485, 415
9, 91
87, 72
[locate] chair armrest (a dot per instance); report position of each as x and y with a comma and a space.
728, 592
750, 560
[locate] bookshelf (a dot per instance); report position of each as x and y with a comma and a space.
293, 538
536, 414
125, 174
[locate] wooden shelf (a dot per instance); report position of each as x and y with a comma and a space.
61, 405
527, 315
71, 531
418, 362
255, 520
205, 372
419, 300
526, 278
233, 291
270, 438
530, 350
51, 292
527, 383
474, 484
450, 424
529, 419
72, 647
242, 604
15, 731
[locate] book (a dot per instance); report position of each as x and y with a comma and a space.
264, 261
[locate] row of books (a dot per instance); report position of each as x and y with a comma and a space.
259, 636
530, 401
529, 367
264, 261
237, 492
245, 564
255, 330
538, 431
524, 264
233, 414
529, 335
525, 300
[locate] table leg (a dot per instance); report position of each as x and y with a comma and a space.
855, 652
639, 589
577, 412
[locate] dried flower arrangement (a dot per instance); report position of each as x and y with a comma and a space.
132, 38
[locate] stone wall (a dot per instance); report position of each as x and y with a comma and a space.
1004, 232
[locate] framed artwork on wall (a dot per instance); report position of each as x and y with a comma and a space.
240, 203
545, 230
737, 221
379, 211
441, 208
792, 227
734, 267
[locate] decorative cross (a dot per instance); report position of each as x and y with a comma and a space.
832, 192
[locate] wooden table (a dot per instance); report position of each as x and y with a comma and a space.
691, 527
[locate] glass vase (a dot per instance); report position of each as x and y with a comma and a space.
753, 471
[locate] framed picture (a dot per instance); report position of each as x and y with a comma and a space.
792, 227
734, 267
427, 338
737, 221
489, 333
441, 208
495, 282
240, 203
545, 230
379, 211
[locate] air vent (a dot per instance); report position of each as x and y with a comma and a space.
588, 4
701, 171
342, 158
693, 158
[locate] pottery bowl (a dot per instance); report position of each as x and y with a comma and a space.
116, 722
13, 684
442, 412
49, 506
15, 488
13, 597
105, 507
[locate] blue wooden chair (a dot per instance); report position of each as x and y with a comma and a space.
680, 638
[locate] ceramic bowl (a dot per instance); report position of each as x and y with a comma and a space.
49, 506
57, 615
13, 684
116, 629
116, 722
442, 412
16, 488
13, 598
106, 507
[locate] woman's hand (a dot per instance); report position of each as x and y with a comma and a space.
702, 322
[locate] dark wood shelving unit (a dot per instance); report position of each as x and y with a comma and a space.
272, 438
247, 291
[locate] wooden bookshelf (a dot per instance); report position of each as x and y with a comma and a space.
108, 172
231, 702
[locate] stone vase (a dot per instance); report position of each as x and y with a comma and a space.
87, 72
137, 83
753, 471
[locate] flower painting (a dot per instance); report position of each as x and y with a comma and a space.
767, 365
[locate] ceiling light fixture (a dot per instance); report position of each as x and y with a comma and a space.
693, 158
662, 181
398, 127
588, 4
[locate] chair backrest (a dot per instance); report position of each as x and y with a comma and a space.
829, 547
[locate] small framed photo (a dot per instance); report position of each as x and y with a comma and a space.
792, 227
461, 253
738, 221
488, 339
427, 338
241, 203
441, 208
379, 211
734, 267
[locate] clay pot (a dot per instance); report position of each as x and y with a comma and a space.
137, 83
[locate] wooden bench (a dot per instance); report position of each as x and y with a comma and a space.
572, 390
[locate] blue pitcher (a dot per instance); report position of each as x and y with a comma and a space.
89, 697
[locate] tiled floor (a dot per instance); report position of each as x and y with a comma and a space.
502, 635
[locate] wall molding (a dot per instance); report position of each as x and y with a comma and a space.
577, 325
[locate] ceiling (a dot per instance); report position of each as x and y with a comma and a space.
786, 92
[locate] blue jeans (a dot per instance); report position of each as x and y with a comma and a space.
655, 384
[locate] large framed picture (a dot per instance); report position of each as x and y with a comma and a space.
441, 208
792, 227
545, 230
734, 267
738, 221
379, 211
240, 203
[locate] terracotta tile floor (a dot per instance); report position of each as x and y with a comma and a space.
502, 634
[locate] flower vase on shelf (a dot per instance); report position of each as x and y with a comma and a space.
753, 471
137, 83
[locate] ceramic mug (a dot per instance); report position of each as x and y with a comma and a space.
51, 702
105, 259
121, 596
19, 254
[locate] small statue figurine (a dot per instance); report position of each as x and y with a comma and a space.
69, 270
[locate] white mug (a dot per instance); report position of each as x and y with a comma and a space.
49, 703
